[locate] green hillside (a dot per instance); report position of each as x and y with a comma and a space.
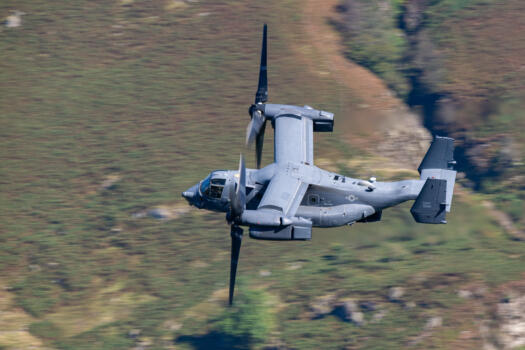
110, 109
461, 64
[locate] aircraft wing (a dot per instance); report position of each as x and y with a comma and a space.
293, 139
284, 193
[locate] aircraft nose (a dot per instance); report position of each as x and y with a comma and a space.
190, 194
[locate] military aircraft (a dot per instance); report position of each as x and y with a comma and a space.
285, 199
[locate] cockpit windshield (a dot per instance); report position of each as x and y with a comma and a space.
212, 188
205, 185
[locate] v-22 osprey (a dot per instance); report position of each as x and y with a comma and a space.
284, 200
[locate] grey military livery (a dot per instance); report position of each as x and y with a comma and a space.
284, 200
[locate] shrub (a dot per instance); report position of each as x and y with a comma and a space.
37, 295
247, 323
44, 330
374, 40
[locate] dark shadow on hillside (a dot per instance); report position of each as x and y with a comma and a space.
214, 340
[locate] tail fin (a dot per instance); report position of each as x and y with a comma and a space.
440, 155
437, 169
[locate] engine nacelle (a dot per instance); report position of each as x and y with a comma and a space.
262, 217
322, 121
302, 232
372, 218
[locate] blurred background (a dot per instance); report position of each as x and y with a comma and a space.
109, 109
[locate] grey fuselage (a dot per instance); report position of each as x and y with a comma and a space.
331, 199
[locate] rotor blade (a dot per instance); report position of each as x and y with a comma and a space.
241, 189
262, 90
254, 127
236, 234
238, 196
259, 142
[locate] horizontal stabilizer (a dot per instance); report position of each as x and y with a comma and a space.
430, 205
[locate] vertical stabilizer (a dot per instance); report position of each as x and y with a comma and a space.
440, 155
438, 164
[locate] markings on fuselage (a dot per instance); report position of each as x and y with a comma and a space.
352, 197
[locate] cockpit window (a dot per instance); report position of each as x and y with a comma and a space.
216, 191
205, 185
213, 188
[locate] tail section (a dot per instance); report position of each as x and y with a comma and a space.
437, 169
429, 207
440, 155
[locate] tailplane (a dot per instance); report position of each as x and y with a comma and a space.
437, 169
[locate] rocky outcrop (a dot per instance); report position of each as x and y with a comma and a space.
504, 328
322, 306
431, 324
14, 20
395, 294
347, 309
511, 316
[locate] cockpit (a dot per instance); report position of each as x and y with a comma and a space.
212, 186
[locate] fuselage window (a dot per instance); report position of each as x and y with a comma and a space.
219, 182
313, 199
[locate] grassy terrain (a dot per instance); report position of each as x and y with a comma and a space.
112, 108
